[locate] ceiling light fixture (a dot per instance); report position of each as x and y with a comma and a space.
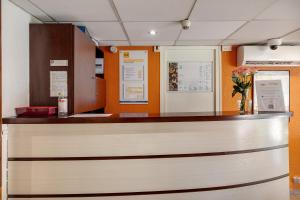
152, 32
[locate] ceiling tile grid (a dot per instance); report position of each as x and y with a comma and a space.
139, 31
33, 10
228, 9
152, 43
113, 43
214, 22
212, 30
77, 10
264, 30
293, 38
198, 42
104, 30
282, 10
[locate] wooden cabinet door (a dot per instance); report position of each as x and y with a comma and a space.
49, 42
84, 73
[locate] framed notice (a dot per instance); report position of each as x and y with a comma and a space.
190, 76
280, 75
58, 83
134, 77
269, 95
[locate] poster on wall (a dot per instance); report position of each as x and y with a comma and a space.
134, 77
190, 76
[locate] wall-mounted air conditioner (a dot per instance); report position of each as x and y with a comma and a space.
265, 56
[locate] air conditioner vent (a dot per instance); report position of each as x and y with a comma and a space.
286, 56
277, 63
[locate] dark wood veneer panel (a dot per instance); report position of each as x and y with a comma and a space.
48, 41
160, 117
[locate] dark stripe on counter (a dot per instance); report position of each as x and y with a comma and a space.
145, 156
146, 192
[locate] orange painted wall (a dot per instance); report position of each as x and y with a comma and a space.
229, 104
111, 75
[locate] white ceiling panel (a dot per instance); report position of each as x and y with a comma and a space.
153, 10
77, 10
104, 30
241, 42
293, 38
264, 30
212, 30
33, 10
282, 9
152, 43
114, 43
139, 31
228, 9
197, 42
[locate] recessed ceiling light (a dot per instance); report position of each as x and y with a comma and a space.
152, 32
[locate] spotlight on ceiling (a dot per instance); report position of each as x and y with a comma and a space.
152, 32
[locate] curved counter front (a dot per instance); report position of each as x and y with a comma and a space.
161, 157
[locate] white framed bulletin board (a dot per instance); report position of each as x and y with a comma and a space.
133, 77
190, 79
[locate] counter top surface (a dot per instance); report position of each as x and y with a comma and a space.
147, 117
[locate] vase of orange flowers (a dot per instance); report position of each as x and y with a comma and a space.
242, 82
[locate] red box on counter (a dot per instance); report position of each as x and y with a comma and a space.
36, 111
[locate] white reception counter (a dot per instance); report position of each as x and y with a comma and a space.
155, 157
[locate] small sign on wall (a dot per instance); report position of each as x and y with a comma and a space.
59, 63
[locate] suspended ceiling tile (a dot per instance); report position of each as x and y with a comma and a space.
197, 42
152, 43
282, 10
228, 9
153, 10
264, 30
166, 31
32, 9
114, 43
210, 30
293, 38
241, 42
104, 30
77, 10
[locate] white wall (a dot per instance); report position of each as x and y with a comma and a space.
15, 57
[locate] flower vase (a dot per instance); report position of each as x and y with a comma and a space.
243, 102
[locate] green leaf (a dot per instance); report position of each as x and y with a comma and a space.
237, 88
234, 79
